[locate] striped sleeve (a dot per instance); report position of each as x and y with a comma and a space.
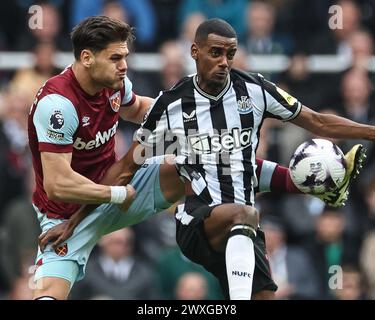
155, 124
280, 104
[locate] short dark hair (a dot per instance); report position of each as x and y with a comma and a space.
216, 26
95, 33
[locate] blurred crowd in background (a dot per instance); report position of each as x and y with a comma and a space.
315, 252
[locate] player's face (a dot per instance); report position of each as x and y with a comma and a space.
109, 68
214, 59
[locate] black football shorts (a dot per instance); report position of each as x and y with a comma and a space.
192, 240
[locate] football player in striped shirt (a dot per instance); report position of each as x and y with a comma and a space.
216, 115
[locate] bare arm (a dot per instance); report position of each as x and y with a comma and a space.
123, 171
332, 126
137, 110
62, 183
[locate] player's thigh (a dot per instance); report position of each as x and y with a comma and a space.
193, 241
210, 225
68, 261
194, 244
191, 236
264, 295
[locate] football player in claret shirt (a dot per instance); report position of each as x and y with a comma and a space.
72, 125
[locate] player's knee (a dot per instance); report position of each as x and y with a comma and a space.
264, 295
245, 215
47, 293
51, 287
50, 295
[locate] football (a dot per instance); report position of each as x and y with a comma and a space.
317, 166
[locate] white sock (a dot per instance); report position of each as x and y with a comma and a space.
240, 262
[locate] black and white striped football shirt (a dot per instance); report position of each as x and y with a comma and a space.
217, 136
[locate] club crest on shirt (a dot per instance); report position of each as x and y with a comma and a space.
56, 121
244, 105
115, 101
62, 250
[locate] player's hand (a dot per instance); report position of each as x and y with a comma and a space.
130, 196
57, 234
